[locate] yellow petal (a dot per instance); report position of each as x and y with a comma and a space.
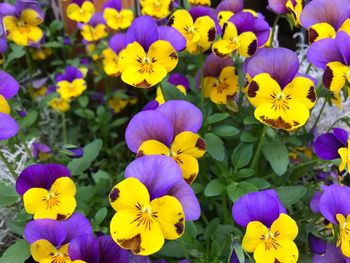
43, 251
287, 251
136, 77
224, 16
168, 212
262, 255
188, 143
64, 186
152, 147
31, 17
223, 48
284, 227
343, 152
129, 194
4, 107
205, 26
143, 238
210, 83
118, 20
189, 166
164, 54
345, 26
34, 198
73, 89
248, 43
182, 21
320, 31
160, 97
10, 23
254, 235
110, 62
227, 87
334, 77
81, 14
131, 55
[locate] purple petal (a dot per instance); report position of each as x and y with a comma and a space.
110, 252
315, 202
262, 30
199, 11
278, 6
115, 4
8, 85
179, 79
234, 6
317, 245
152, 105
85, 248
183, 115
281, 63
6, 10
38, 148
116, 43
75, 226
184, 193
142, 30
40, 176
148, 125
70, 74
234, 258
253, 207
47, 229
138, 259
335, 200
244, 21
343, 42
324, 51
173, 36
326, 146
341, 135
332, 12
157, 172
332, 255
28, 4
8, 127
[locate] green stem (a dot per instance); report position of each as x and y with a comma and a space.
258, 149
29, 64
25, 145
319, 115
274, 29
8, 165
64, 128
308, 68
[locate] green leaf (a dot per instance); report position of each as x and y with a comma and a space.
259, 182
276, 153
56, 25
290, 195
248, 137
28, 120
16, 53
217, 117
18, 252
239, 252
226, 131
215, 146
214, 188
170, 92
8, 195
236, 190
83, 101
241, 155
85, 113
245, 173
100, 216
91, 151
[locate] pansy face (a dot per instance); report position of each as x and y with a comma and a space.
81, 13
93, 33
295, 8
200, 34
158, 9
24, 30
43, 251
118, 20
59, 104
141, 224
221, 90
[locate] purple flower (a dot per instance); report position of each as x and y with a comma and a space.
264, 206
162, 176
315, 202
317, 245
326, 145
74, 152
179, 79
71, 73
28, 4
41, 151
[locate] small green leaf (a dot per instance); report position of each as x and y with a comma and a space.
8, 195
248, 137
170, 92
241, 155
83, 101
226, 131
290, 195
85, 113
259, 182
100, 216
18, 252
236, 190
217, 117
276, 153
28, 120
214, 188
245, 173
215, 146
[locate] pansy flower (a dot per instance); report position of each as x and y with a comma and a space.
8, 89
95, 29
243, 33
158, 9
71, 83
158, 207
41, 151
269, 232
334, 206
49, 239
117, 104
81, 10
150, 53
323, 18
333, 56
110, 56
292, 8
200, 2
334, 145
220, 80
200, 32
22, 26
116, 17
90, 249
48, 191
171, 130
59, 104
282, 97
179, 81
227, 8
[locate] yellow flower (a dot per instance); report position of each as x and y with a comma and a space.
199, 34
143, 70
56, 203
324, 30
344, 234
295, 11
156, 8
69, 90
43, 251
59, 104
274, 244
200, 2
42, 53
223, 89
110, 62
117, 104
118, 20
186, 148
142, 225
24, 30
93, 33
81, 13
345, 157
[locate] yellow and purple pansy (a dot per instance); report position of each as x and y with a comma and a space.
270, 233
71, 83
158, 9
150, 53
291, 8
116, 17
95, 29
157, 208
227, 8
333, 56
324, 18
81, 10
22, 24
171, 130
47, 190
8, 89
281, 96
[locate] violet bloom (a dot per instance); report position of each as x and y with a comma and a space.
74, 151
330, 146
71, 83
323, 18
333, 56
169, 130
162, 176
49, 239
331, 255
8, 89
41, 151
96, 250
200, 11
